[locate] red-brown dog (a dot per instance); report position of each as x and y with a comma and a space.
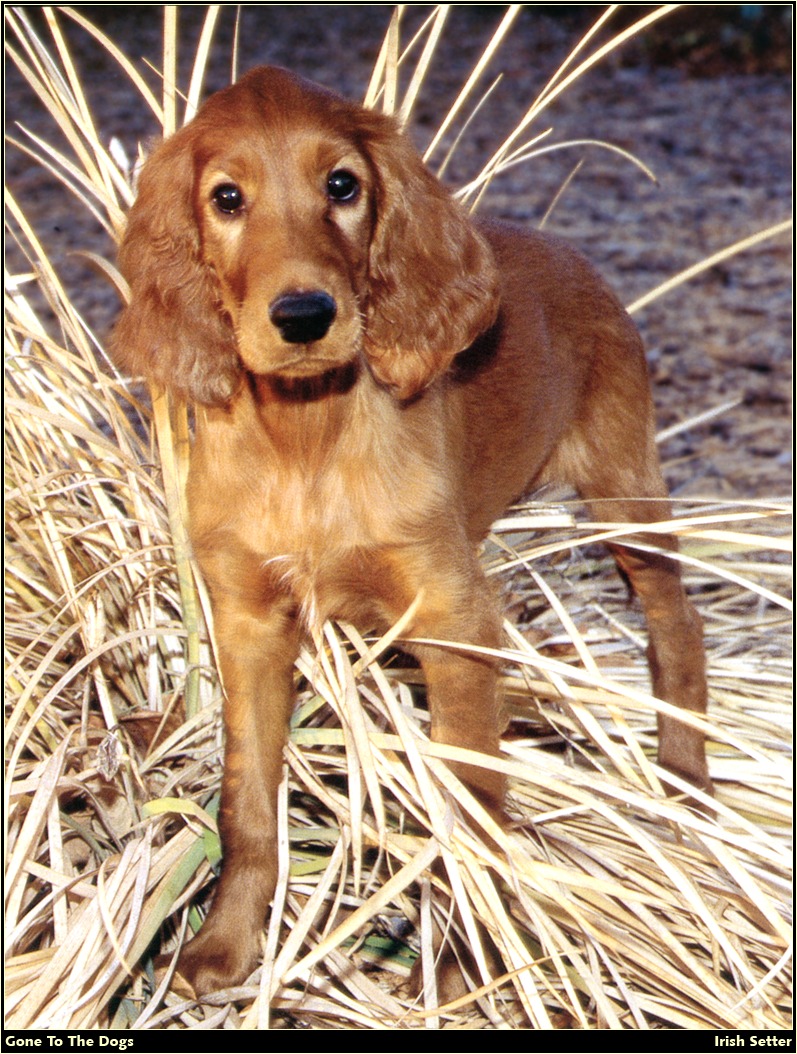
376, 379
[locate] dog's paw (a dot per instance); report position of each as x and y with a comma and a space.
208, 965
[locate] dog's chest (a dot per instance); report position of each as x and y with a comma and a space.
327, 539
318, 510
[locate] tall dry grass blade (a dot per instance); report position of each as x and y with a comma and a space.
201, 60
174, 464
581, 45
462, 133
388, 66
398, 882
560, 192
709, 261
693, 421
101, 178
384, 81
169, 84
557, 86
476, 73
236, 45
422, 66
83, 116
35, 819
61, 92
82, 186
142, 88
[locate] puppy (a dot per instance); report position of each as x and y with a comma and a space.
376, 377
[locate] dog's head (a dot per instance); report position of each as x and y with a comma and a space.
286, 231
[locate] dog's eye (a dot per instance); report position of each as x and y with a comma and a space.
228, 198
343, 186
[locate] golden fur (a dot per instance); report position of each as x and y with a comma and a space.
376, 378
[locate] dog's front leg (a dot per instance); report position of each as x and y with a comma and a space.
466, 711
256, 653
457, 607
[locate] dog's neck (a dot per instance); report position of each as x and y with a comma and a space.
304, 391
305, 418
307, 422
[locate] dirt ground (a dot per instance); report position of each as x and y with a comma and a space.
719, 145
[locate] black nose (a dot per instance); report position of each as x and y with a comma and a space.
303, 317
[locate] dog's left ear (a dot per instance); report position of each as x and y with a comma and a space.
433, 284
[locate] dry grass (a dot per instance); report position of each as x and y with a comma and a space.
618, 907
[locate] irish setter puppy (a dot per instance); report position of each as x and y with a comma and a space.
376, 377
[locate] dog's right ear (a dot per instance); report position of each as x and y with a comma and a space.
173, 330
434, 284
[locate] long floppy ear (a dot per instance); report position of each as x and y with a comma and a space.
173, 331
433, 279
